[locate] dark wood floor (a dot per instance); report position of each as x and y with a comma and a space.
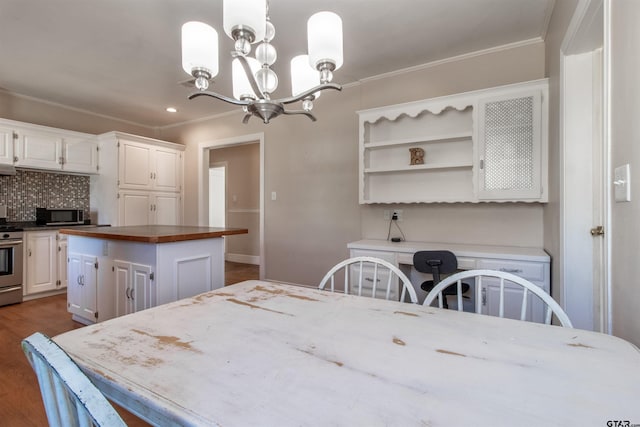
20, 401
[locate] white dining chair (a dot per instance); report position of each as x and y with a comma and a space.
382, 276
70, 399
552, 307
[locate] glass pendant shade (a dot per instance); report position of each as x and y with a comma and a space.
245, 15
199, 48
325, 39
241, 86
303, 77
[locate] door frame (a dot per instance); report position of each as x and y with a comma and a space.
203, 180
583, 34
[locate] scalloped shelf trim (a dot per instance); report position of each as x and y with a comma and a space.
393, 114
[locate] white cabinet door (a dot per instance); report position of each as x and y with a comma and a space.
167, 209
74, 288
122, 278
62, 261
6, 146
142, 292
135, 208
166, 174
80, 155
510, 142
135, 167
38, 150
134, 290
83, 286
41, 262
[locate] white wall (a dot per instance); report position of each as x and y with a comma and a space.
625, 148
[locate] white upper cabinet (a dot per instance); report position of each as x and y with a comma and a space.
147, 167
487, 145
38, 147
41, 150
512, 146
80, 155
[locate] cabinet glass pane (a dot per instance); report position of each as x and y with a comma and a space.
509, 144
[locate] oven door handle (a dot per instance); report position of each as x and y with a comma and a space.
11, 243
16, 288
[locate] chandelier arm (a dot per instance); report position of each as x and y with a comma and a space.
218, 96
294, 112
246, 118
309, 92
250, 76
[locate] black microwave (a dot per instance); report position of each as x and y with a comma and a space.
46, 216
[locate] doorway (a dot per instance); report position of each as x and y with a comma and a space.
218, 195
205, 150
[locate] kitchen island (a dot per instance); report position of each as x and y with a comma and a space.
115, 271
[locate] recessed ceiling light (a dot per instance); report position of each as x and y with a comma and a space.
172, 110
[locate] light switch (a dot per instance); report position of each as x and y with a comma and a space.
274, 196
622, 184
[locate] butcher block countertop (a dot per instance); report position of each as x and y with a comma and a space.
154, 233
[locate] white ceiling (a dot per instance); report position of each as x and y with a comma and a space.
121, 58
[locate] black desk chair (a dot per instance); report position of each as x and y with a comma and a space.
437, 263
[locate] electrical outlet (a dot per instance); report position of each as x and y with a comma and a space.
398, 214
387, 214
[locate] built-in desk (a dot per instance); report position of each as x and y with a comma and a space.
532, 264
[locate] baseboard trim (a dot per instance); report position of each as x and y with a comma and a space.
244, 259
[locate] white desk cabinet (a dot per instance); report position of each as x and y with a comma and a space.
532, 264
480, 146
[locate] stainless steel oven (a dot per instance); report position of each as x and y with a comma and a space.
10, 266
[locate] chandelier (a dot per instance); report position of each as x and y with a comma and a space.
247, 22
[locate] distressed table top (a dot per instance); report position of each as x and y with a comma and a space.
261, 353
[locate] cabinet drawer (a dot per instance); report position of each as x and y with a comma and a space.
466, 263
387, 256
368, 276
526, 270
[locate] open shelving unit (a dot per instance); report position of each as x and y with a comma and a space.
466, 150
445, 135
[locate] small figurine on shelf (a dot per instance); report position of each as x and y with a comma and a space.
417, 156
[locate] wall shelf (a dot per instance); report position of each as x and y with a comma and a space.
420, 168
418, 140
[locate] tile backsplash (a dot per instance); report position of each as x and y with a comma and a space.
25, 191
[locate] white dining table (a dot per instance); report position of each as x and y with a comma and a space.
259, 353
